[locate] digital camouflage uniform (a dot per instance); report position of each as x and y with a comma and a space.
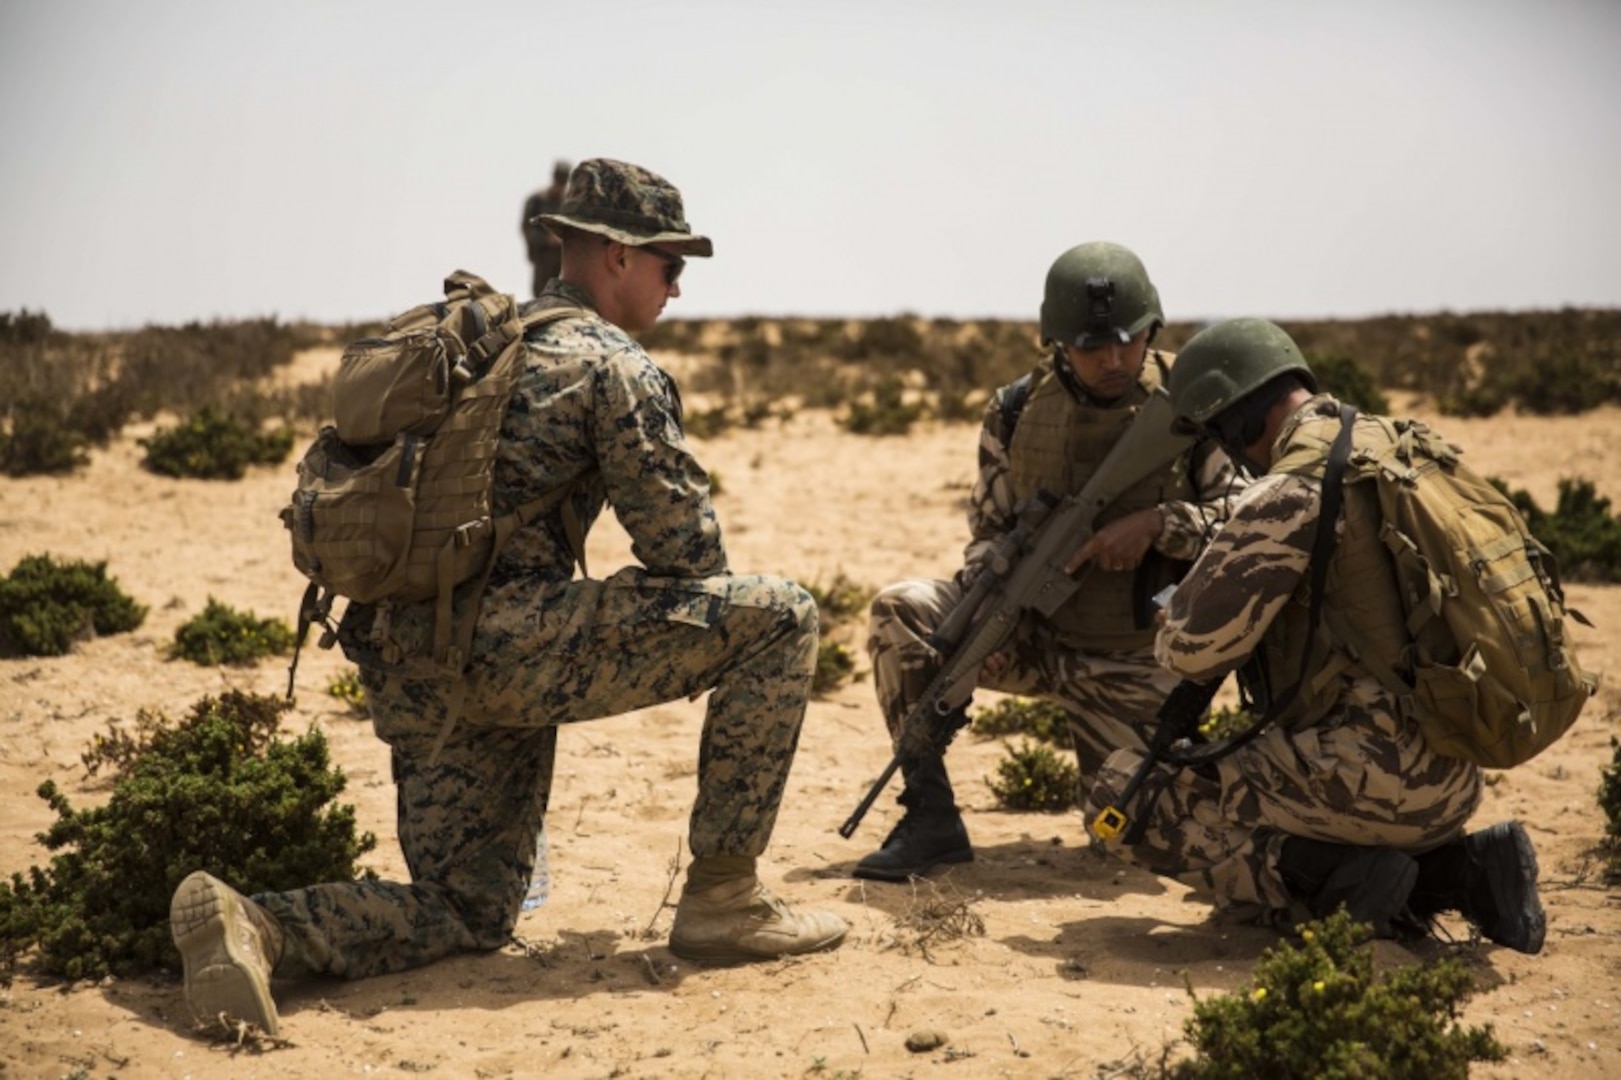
1341, 765
1103, 672
551, 650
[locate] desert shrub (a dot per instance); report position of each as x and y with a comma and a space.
1580, 532
888, 414
1225, 723
891, 338
214, 446
1316, 1009
40, 441
24, 327
1609, 801
835, 663
346, 687
223, 635
707, 423
1566, 383
57, 396
673, 335
1032, 777
215, 791
840, 599
45, 606
1039, 718
1349, 381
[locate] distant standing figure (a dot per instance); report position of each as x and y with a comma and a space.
545, 249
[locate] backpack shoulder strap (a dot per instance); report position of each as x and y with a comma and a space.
1322, 549
1014, 399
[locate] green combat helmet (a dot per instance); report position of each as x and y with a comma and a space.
1098, 294
1222, 364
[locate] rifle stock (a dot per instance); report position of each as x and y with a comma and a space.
1024, 571
1177, 719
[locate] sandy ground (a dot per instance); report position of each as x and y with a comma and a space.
1081, 965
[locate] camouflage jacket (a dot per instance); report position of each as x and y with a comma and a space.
1254, 567
1188, 525
591, 398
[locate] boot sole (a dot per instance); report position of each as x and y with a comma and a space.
218, 978
880, 873
1522, 925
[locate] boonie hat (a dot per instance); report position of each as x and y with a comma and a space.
627, 203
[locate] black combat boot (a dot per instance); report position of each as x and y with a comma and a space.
931, 831
1372, 884
1490, 878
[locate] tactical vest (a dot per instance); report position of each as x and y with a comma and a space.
1361, 584
1059, 443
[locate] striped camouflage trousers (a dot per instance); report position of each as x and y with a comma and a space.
1109, 697
1364, 776
468, 819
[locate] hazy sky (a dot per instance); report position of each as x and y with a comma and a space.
162, 160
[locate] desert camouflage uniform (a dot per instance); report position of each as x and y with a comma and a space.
551, 650
1109, 695
1350, 770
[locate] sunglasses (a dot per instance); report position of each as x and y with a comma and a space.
673, 264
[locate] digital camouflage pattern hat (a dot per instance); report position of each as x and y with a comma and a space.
627, 203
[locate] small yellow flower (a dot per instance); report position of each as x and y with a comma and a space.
1308, 936
1318, 986
1259, 995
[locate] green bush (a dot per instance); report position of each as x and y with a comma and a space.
840, 600
346, 687
1032, 777
894, 338
835, 663
706, 423
1226, 723
46, 606
214, 446
1609, 796
1565, 384
41, 441
1040, 718
1581, 533
223, 635
1347, 380
217, 792
1317, 1010
888, 414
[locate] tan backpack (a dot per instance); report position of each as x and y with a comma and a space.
1486, 666
393, 503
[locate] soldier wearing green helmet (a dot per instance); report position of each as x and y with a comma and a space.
1047, 433
1339, 800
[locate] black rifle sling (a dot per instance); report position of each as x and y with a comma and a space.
1322, 549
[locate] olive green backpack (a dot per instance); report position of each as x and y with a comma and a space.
393, 503
1488, 670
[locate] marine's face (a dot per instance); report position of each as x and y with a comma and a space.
1108, 371
653, 279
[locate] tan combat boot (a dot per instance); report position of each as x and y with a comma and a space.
229, 946
741, 920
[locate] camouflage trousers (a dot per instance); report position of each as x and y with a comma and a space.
1109, 697
1364, 776
468, 820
